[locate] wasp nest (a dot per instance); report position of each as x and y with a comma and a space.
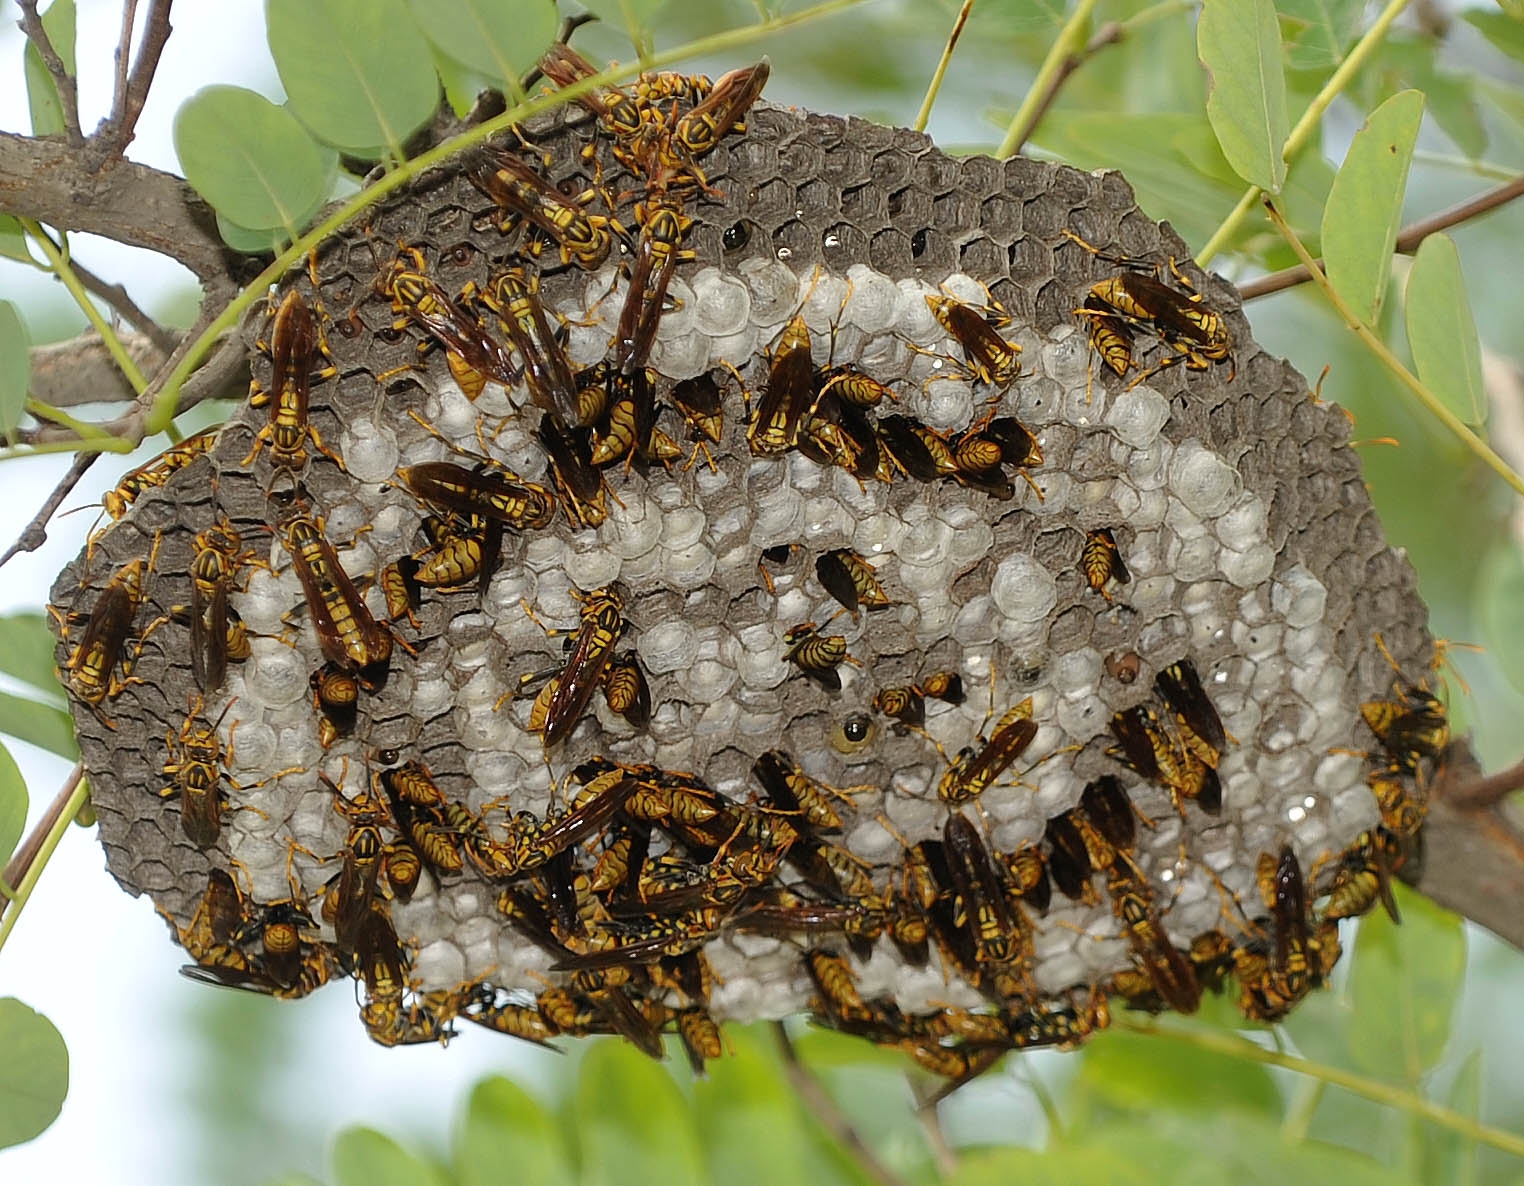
983, 681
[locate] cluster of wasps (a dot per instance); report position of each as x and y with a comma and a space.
643, 867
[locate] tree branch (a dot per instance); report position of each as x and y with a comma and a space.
1108, 34
131, 203
1408, 239
1474, 858
68, 95
115, 132
36, 532
82, 371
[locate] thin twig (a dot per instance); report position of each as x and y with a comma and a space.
1487, 791
80, 370
941, 1152
116, 132
1408, 238
824, 1109
68, 96
36, 532
1064, 45
23, 863
129, 310
923, 117
1108, 34
1373, 342
123, 60
1308, 124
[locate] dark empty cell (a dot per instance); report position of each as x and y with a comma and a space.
842, 246
913, 142
738, 234
1221, 421
1368, 539
704, 238
1058, 550
399, 225
866, 134
889, 252
796, 244
1025, 177
936, 256
1045, 217
1030, 261
845, 166
825, 130
1116, 194
936, 173
771, 123
1094, 225
910, 209
981, 176
815, 198
865, 205
890, 169
981, 258
955, 213
800, 161
771, 202
1073, 188
1000, 217
1305, 418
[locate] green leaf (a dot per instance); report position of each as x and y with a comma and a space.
1076, 1164
250, 242
505, 1125
13, 239
26, 651
1505, 32
751, 1123
1450, 1156
1365, 204
41, 724
253, 161
637, 1130
1240, 47
1441, 332
1141, 1073
353, 69
1319, 30
1404, 986
498, 40
13, 804
461, 83
15, 368
34, 1074
635, 16
41, 92
365, 1157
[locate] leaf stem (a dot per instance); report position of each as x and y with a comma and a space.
61, 268
76, 789
1064, 45
1371, 1089
1390, 361
923, 117
166, 401
1308, 124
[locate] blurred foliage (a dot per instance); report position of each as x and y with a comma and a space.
1416, 1018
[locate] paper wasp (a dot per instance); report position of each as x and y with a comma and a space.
531, 842
817, 655
1002, 934
514, 297
700, 128
347, 634
657, 252
973, 771
1132, 903
850, 579
157, 472
522, 192
217, 634
295, 343
1144, 747
773, 428
579, 483
510, 500
92, 665
562, 702
1101, 561
517, 1021
626, 690
1137, 298
700, 1035
473, 355
1181, 689
616, 109
988, 356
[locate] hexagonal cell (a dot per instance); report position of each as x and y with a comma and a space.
889, 253
842, 245
796, 244
910, 209
1025, 177
799, 160
754, 157
936, 174
891, 169
846, 166
981, 176
817, 199
865, 205
955, 212
932, 251
770, 203
1045, 217
981, 258
1000, 216
1029, 261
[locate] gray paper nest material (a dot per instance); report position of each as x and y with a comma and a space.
1238, 505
